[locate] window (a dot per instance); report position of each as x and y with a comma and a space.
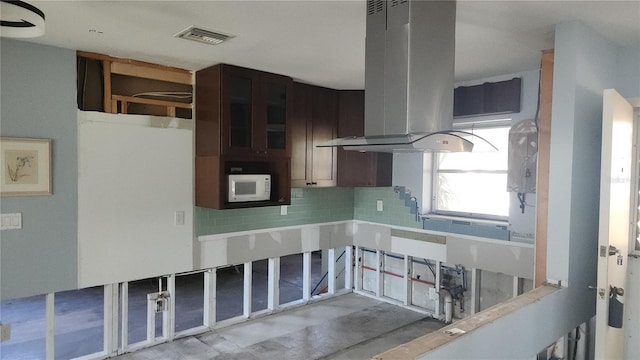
474, 184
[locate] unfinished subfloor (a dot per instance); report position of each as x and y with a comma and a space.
345, 327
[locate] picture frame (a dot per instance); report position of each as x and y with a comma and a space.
25, 166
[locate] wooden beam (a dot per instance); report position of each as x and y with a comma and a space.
148, 72
139, 100
106, 80
102, 57
544, 149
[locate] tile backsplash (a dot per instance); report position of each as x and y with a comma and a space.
309, 206
395, 207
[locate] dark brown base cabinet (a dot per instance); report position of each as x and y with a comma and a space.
357, 169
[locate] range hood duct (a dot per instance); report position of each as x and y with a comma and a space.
409, 75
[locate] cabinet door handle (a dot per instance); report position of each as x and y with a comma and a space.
314, 183
308, 183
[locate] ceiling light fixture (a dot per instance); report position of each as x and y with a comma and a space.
203, 35
20, 20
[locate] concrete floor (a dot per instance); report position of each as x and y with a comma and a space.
79, 313
346, 327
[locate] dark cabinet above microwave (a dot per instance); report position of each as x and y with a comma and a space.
242, 112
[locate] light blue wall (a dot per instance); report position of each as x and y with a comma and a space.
585, 65
574, 172
628, 76
414, 171
38, 100
410, 171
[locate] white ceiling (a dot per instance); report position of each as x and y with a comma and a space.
319, 42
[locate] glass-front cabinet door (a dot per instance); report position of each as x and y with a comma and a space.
254, 112
238, 110
275, 93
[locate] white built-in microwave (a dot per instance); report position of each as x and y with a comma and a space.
249, 187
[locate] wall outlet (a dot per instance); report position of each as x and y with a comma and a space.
5, 332
379, 205
283, 210
11, 221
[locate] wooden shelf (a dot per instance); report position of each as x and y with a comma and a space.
125, 100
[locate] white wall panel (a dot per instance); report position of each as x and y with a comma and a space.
132, 179
514, 259
418, 248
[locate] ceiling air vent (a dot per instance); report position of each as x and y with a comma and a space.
203, 35
374, 6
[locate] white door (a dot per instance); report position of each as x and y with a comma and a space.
615, 202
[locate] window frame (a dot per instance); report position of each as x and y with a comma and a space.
470, 127
634, 211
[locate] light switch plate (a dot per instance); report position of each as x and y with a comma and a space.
283, 210
11, 221
379, 205
179, 218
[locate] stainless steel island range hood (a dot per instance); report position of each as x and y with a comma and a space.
409, 75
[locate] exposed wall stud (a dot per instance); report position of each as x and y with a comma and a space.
273, 297
110, 336
210, 298
438, 281
124, 313
50, 314
331, 270
357, 279
168, 317
475, 290
407, 280
348, 267
246, 294
306, 276
379, 270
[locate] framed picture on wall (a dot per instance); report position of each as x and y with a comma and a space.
25, 166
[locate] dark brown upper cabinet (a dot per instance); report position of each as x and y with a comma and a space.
255, 112
314, 121
245, 112
501, 97
357, 168
242, 126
